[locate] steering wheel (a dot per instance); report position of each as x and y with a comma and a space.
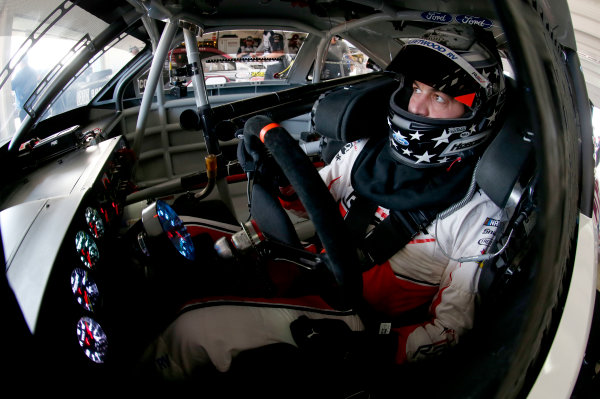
341, 257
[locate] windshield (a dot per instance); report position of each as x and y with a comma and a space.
36, 42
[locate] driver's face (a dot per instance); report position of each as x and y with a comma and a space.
432, 103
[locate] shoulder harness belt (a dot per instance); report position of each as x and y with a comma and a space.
389, 236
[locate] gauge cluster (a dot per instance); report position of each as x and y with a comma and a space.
89, 285
97, 279
91, 336
100, 287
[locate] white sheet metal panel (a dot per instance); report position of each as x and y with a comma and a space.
561, 368
586, 23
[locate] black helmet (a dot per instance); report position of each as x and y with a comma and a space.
463, 63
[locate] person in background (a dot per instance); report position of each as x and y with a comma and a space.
273, 47
247, 48
337, 63
294, 43
265, 45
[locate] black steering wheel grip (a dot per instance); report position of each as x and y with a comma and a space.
341, 256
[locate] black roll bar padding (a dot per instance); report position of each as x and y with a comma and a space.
340, 258
287, 103
190, 120
205, 115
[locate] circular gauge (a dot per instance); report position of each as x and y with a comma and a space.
160, 218
84, 288
92, 339
87, 249
94, 222
175, 229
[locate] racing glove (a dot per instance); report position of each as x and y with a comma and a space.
254, 157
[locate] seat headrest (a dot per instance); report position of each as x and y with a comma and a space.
503, 162
355, 111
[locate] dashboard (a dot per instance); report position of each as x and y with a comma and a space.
60, 232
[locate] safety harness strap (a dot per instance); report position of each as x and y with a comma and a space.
389, 236
359, 217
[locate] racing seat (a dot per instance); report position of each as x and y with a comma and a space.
349, 113
339, 116
513, 189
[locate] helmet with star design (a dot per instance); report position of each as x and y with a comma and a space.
450, 68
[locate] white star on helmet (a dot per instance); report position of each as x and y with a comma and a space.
443, 138
415, 136
424, 158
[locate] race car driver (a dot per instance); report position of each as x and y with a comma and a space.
441, 118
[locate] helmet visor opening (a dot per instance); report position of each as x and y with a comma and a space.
401, 98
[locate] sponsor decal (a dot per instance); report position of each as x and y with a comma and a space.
400, 139
434, 348
435, 46
457, 129
491, 222
436, 16
345, 203
349, 200
385, 328
485, 241
460, 145
344, 150
477, 76
489, 231
471, 20
429, 350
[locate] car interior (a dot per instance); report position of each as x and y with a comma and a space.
87, 260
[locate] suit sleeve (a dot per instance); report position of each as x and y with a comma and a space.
452, 314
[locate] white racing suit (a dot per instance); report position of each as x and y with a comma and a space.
214, 330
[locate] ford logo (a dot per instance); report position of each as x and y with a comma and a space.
436, 16
399, 139
471, 20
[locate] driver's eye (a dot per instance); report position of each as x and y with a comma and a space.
439, 99
416, 90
